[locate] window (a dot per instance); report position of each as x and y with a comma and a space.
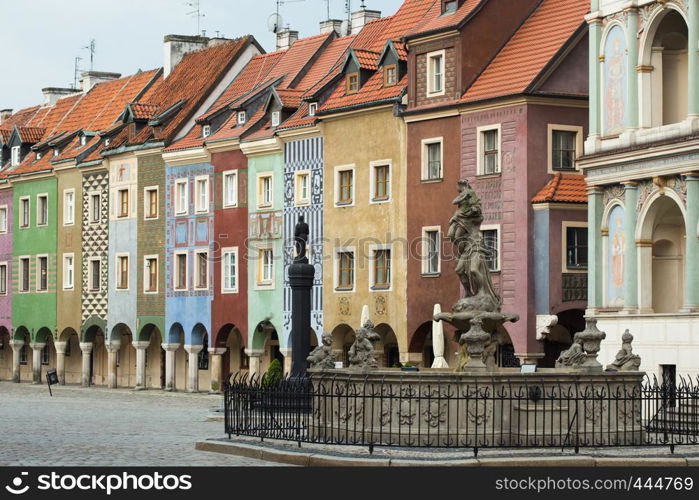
14, 156
83, 140
94, 274
491, 241
565, 144
45, 355
181, 198
3, 219
150, 274
435, 73
95, 208
42, 203
390, 75
180, 271
576, 247
230, 270
382, 268
68, 207
242, 117
201, 194
276, 118
150, 202
432, 159
39, 154
203, 356
3, 278
68, 271
230, 189
449, 6
56, 152
381, 181
264, 191
24, 274
489, 150
345, 270
431, 242
312, 108
123, 203
206, 131
122, 272
23, 354
265, 275
107, 141
42, 278
353, 83
303, 187
24, 212
344, 186
202, 270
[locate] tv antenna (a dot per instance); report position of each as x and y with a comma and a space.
76, 71
275, 22
91, 48
196, 5
347, 23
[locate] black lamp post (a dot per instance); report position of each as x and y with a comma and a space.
301, 275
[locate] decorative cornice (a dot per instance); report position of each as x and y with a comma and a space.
262, 147
187, 157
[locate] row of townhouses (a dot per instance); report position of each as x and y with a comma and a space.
146, 222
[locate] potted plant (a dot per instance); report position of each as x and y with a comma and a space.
409, 367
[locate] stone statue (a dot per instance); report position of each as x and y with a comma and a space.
471, 263
625, 360
361, 353
574, 356
323, 357
301, 232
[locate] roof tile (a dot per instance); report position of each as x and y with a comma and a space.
563, 188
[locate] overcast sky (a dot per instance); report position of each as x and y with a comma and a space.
41, 38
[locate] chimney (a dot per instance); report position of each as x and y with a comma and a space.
363, 17
286, 39
53, 94
175, 47
330, 25
5, 114
91, 78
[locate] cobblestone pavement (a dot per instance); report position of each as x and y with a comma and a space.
107, 427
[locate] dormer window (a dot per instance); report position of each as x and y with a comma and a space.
83, 140
39, 154
390, 75
56, 152
107, 141
353, 83
206, 131
449, 6
276, 118
15, 156
242, 118
312, 108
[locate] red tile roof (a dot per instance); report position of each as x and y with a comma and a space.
433, 20
30, 135
563, 188
367, 59
143, 110
21, 118
529, 50
291, 98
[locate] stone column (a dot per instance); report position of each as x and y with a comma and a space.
193, 370
36, 361
141, 347
170, 369
255, 355
16, 348
693, 58
631, 253
595, 34
86, 348
112, 351
286, 352
216, 361
632, 68
691, 266
594, 248
61, 361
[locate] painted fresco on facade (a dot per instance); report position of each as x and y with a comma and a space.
6, 259
615, 61
615, 257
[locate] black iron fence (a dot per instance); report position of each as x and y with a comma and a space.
483, 412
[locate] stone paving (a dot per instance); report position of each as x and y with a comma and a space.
101, 427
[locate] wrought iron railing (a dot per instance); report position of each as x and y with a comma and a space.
483, 412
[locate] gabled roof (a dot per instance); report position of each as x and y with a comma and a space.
530, 50
563, 188
396, 48
434, 21
365, 59
142, 110
30, 135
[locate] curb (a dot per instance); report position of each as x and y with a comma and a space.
311, 459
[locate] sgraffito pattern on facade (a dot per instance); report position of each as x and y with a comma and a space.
95, 238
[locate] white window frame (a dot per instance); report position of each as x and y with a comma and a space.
91, 207
68, 221
480, 142
7, 279
120, 190
146, 274
431, 92
426, 159
336, 269
260, 190
197, 197
68, 285
176, 271
260, 283
298, 199
564, 247
372, 257
117, 272
38, 209
182, 210
276, 118
372, 181
425, 251
197, 253
495, 227
4, 221
206, 131
338, 170
39, 154
15, 156
233, 251
22, 260
554, 127
242, 117
226, 202
22, 200
312, 108
146, 202
91, 275
37, 283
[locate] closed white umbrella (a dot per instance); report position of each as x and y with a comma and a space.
438, 341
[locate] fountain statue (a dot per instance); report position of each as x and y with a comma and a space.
361, 353
323, 357
625, 359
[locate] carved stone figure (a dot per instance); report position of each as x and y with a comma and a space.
323, 357
301, 232
361, 353
625, 360
574, 356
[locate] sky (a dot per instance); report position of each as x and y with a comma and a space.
42, 38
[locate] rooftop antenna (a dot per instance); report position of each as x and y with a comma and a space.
196, 5
327, 8
275, 22
91, 48
348, 8
76, 71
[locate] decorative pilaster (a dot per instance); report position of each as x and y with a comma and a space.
216, 359
36, 361
141, 364
61, 361
86, 348
255, 355
193, 369
170, 370
595, 34
112, 351
693, 57
691, 267
16, 348
631, 254
594, 247
632, 72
